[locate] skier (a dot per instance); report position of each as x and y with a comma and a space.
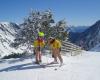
38, 46
55, 46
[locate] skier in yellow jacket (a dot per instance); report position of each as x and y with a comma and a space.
38, 45
55, 46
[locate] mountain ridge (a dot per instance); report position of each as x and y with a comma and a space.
8, 31
90, 37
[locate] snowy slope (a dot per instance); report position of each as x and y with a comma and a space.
96, 48
7, 35
81, 67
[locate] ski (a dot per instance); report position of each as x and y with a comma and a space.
58, 67
42, 65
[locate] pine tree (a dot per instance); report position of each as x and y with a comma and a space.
40, 21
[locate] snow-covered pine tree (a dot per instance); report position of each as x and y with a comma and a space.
59, 30
40, 21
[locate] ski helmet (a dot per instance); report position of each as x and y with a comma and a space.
41, 34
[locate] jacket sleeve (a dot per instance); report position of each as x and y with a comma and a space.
35, 43
59, 44
43, 44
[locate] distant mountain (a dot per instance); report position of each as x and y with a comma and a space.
8, 32
90, 37
77, 29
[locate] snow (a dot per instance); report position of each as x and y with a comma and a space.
85, 66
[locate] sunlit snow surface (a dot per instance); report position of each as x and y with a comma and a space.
85, 66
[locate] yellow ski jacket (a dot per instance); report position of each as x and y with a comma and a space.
37, 43
56, 44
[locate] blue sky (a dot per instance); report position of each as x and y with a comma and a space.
75, 12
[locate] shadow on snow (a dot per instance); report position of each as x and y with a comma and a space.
21, 67
25, 67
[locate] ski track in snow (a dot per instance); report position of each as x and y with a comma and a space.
81, 67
